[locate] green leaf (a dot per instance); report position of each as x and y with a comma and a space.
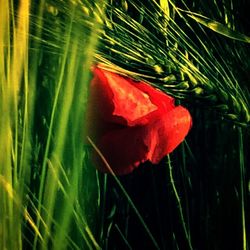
219, 28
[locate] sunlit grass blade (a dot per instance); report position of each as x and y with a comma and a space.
63, 144
13, 70
219, 28
32, 221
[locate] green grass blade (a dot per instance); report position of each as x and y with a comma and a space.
219, 28
242, 188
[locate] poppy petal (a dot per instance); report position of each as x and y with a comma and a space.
124, 149
132, 122
157, 97
123, 102
166, 133
127, 147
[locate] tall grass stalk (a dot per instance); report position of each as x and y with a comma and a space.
53, 217
242, 188
179, 205
14, 159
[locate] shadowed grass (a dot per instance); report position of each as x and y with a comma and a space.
179, 205
126, 195
242, 188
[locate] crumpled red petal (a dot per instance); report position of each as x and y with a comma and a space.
127, 147
119, 100
161, 100
132, 122
164, 134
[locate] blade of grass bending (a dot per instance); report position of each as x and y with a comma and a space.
84, 229
55, 223
123, 237
102, 209
178, 200
186, 183
242, 188
125, 193
219, 28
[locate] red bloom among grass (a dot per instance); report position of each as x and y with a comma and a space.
132, 122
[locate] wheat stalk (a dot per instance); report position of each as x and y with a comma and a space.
175, 67
143, 41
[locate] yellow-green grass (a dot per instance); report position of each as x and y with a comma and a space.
42, 183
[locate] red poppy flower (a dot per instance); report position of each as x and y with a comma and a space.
132, 122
